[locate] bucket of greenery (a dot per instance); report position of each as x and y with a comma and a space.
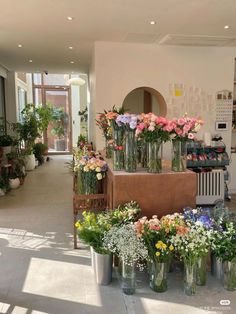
59, 122
91, 230
27, 131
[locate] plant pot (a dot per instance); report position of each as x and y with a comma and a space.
179, 155
103, 267
189, 277
29, 162
2, 192
155, 156
201, 272
130, 158
60, 144
14, 183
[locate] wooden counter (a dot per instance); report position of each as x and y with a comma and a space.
161, 193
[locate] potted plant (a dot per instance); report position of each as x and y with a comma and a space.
6, 142
27, 131
59, 122
4, 183
40, 150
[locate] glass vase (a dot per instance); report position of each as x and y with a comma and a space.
158, 276
189, 277
118, 152
130, 151
201, 270
230, 274
179, 155
155, 156
89, 183
108, 149
128, 278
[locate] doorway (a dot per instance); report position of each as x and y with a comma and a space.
58, 136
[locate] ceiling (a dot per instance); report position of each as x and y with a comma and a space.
42, 28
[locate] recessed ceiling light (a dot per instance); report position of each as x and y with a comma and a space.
152, 22
72, 62
71, 47
70, 18
226, 27
20, 46
30, 60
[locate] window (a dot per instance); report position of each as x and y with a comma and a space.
22, 100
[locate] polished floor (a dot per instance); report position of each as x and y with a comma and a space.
41, 273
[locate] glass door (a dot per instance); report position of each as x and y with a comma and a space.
58, 136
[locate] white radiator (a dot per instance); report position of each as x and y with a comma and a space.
210, 187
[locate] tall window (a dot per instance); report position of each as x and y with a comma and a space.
2, 107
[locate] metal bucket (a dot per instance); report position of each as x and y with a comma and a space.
103, 267
92, 252
216, 267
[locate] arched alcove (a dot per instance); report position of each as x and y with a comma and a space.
145, 99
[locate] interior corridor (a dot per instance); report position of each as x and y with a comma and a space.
40, 272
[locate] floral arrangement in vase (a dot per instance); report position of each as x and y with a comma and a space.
125, 213
124, 242
90, 170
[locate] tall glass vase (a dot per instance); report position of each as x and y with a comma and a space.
118, 152
179, 155
89, 183
230, 275
130, 151
155, 156
189, 277
158, 276
108, 149
201, 270
128, 278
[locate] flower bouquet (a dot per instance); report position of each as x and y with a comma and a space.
150, 128
128, 122
124, 242
182, 130
91, 170
157, 235
103, 124
125, 213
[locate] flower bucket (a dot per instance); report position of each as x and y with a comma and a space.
179, 155
158, 276
189, 277
92, 254
103, 268
29, 162
118, 152
201, 271
128, 278
155, 156
229, 275
216, 266
130, 151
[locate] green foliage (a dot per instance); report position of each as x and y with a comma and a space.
39, 151
6, 140
153, 136
59, 121
82, 139
44, 116
84, 114
125, 213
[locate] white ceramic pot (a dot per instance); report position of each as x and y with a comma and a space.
2, 192
103, 268
14, 183
29, 162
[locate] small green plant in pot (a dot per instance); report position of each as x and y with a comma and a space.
40, 150
6, 142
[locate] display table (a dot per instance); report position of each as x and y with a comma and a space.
157, 194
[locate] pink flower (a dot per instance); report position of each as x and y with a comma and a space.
191, 136
186, 128
141, 126
181, 121
178, 131
161, 121
170, 126
151, 128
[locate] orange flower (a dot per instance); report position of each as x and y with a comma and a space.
181, 230
111, 115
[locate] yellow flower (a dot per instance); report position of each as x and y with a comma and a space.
171, 248
164, 246
159, 244
158, 253
98, 169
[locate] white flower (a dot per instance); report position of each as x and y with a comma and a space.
99, 176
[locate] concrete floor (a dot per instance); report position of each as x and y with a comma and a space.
41, 273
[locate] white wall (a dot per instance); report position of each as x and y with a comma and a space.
10, 87
3, 71
120, 68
